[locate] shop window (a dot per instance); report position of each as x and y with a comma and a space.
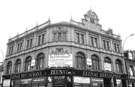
28, 64
40, 61
119, 66
9, 67
17, 66
81, 60
107, 64
95, 62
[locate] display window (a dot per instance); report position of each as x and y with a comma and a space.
97, 82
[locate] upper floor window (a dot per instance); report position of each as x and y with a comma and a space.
119, 66
60, 34
131, 71
106, 45
79, 38
95, 62
29, 43
92, 20
81, 60
19, 47
28, 64
116, 47
18, 66
40, 61
9, 67
11, 49
41, 39
107, 64
94, 41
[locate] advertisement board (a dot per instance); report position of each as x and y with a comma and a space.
78, 79
60, 60
107, 66
6, 83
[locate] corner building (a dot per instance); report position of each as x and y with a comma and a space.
65, 54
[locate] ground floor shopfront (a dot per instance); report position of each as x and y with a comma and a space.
65, 77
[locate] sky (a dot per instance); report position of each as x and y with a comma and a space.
18, 15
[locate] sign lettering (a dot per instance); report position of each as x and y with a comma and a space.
58, 72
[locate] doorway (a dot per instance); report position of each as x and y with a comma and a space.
107, 82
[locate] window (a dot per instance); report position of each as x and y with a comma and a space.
11, 49
95, 63
41, 39
29, 43
94, 41
107, 64
119, 66
81, 60
92, 20
130, 71
28, 64
9, 67
60, 36
80, 38
18, 66
19, 47
106, 45
116, 47
40, 61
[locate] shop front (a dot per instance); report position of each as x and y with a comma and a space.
63, 77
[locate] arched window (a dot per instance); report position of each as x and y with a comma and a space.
119, 66
95, 62
28, 64
9, 67
131, 71
81, 60
40, 61
107, 64
17, 65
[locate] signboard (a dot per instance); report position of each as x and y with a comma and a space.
89, 62
107, 66
78, 79
60, 60
6, 83
26, 81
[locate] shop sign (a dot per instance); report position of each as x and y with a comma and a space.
6, 83
60, 60
107, 66
27, 75
91, 74
38, 80
89, 62
78, 79
132, 77
26, 81
59, 72
97, 80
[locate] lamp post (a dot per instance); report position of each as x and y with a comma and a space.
125, 41
123, 53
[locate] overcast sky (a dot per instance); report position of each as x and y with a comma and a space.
17, 15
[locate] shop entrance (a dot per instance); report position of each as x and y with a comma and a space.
107, 82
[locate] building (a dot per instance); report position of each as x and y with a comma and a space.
1, 73
130, 66
65, 54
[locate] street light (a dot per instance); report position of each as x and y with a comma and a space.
125, 40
